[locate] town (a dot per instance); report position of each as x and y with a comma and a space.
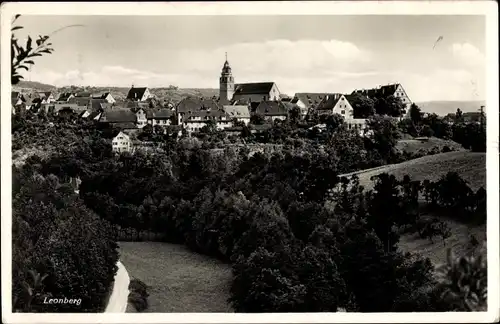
230, 111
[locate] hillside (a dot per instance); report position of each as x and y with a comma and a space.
28, 86
443, 108
413, 145
470, 166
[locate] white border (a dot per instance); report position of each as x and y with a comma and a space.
487, 8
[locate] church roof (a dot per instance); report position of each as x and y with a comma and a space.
253, 88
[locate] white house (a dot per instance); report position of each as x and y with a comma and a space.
272, 110
196, 120
338, 103
240, 112
122, 143
161, 117
142, 119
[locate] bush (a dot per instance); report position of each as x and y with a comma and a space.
138, 296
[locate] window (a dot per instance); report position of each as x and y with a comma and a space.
343, 112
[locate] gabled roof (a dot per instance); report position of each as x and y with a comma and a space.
192, 104
94, 114
97, 104
253, 88
118, 116
310, 99
272, 108
329, 102
237, 111
136, 93
122, 134
136, 105
80, 101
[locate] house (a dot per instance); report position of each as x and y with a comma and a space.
385, 91
338, 103
141, 117
65, 96
193, 104
106, 96
138, 94
335, 103
244, 92
162, 117
125, 117
46, 97
83, 94
122, 143
240, 112
272, 110
308, 100
196, 120
18, 102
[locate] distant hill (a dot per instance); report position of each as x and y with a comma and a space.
119, 93
33, 86
443, 108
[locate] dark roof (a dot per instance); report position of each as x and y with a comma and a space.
93, 114
136, 93
237, 111
272, 108
97, 104
15, 96
310, 99
80, 101
124, 125
64, 96
253, 88
383, 91
118, 116
160, 114
100, 95
192, 104
83, 94
329, 102
136, 105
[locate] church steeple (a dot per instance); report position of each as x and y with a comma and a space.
226, 83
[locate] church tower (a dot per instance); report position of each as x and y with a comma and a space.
226, 84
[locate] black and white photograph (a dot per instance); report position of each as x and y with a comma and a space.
266, 158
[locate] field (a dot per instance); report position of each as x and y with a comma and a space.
179, 280
470, 166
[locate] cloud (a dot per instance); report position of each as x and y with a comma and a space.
296, 66
468, 54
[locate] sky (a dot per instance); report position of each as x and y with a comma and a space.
300, 53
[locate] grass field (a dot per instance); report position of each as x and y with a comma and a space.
470, 166
179, 280
413, 145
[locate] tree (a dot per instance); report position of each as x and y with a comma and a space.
415, 114
363, 106
257, 119
22, 55
390, 106
459, 116
294, 114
